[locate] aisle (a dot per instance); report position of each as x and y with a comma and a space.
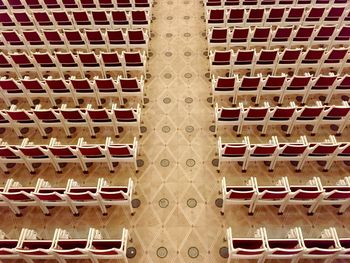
178, 148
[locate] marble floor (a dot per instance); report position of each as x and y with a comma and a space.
177, 185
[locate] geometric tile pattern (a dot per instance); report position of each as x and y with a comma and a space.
177, 185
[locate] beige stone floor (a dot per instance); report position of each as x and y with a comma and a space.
177, 120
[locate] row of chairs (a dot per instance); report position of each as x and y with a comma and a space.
66, 118
61, 63
280, 86
15, 196
285, 37
327, 247
98, 19
55, 153
30, 246
71, 90
274, 61
70, 40
300, 152
312, 194
71, 5
212, 4
278, 16
289, 117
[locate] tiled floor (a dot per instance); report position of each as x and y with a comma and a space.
177, 185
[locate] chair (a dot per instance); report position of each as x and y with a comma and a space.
106, 88
90, 63
294, 16
55, 40
215, 18
265, 60
248, 86
33, 89
324, 35
275, 16
218, 37
307, 115
46, 63
101, 18
70, 4
24, 20
44, 20
11, 89
100, 118
253, 116
276, 195
112, 62
237, 152
239, 37
73, 118
311, 60
127, 117
121, 153
109, 195
34, 40
83, 88
334, 15
220, 60
68, 62
314, 16
246, 248
130, 87
16, 196
272, 85
238, 195
62, 20
137, 39
120, 19
58, 88
75, 40
243, 60
303, 37
260, 37
134, 61
281, 36
223, 86
255, 16
288, 59
116, 39
296, 85
7, 21
82, 20
228, 116
24, 64
14, 41
95, 40
342, 36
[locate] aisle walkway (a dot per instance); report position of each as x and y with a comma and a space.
178, 148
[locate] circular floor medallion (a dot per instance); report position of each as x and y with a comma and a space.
189, 129
143, 129
299, 98
212, 128
322, 98
103, 101
120, 129
165, 163
24, 130
207, 75
205, 53
191, 203
88, 165
188, 75
345, 98
187, 34
187, 17
190, 162
150, 54
168, 35
168, 54
193, 252
309, 127
166, 100
334, 127
163, 203
153, 35
148, 76
169, 18
146, 100
284, 128
48, 130
10, 165
204, 34
36, 101
170, 2
136, 203
115, 164
187, 54
140, 163
62, 165
215, 162
166, 129
223, 252
188, 100
219, 202
321, 163
209, 99
131, 252
162, 252
259, 127
347, 163
167, 75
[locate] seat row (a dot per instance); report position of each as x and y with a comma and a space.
289, 117
300, 152
285, 37
30, 246
71, 5
212, 4
327, 247
99, 19
274, 61
65, 118
15, 196
61, 63
71, 90
55, 153
312, 194
278, 16
89, 40
280, 86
